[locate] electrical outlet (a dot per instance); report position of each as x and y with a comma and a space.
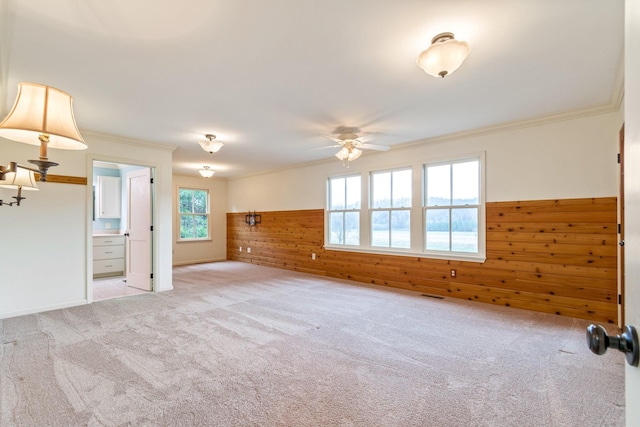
313, 257
453, 273
240, 249
107, 226
248, 250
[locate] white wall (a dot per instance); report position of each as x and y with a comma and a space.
214, 249
565, 159
44, 243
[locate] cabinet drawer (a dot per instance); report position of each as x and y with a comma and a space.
108, 240
108, 266
108, 252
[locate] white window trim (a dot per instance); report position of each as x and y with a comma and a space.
480, 256
371, 209
417, 214
327, 211
179, 214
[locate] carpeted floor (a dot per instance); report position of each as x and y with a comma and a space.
113, 287
240, 345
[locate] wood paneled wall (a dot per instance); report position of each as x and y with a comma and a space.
551, 256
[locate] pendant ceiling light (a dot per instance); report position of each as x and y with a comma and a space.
210, 145
444, 56
206, 172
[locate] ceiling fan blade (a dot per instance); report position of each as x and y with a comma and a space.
327, 146
367, 136
332, 138
375, 147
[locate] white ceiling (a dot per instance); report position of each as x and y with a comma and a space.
269, 77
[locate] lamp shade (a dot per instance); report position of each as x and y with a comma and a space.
206, 172
21, 178
444, 56
42, 110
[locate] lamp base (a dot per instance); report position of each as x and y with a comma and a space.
43, 166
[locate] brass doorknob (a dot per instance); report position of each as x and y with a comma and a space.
598, 342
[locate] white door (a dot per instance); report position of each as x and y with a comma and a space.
632, 197
138, 236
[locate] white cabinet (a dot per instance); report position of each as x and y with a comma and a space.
108, 197
108, 256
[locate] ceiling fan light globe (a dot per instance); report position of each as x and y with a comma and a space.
343, 154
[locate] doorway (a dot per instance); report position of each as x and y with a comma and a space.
121, 207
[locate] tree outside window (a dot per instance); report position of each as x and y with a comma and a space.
194, 213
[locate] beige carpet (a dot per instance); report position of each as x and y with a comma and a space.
113, 287
239, 345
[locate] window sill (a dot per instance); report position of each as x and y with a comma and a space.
194, 240
408, 253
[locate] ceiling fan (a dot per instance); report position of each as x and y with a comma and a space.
351, 145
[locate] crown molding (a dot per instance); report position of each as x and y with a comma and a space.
617, 94
105, 137
612, 106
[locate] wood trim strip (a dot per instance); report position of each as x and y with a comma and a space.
65, 179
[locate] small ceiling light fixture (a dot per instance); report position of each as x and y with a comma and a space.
444, 56
210, 145
17, 177
42, 115
206, 172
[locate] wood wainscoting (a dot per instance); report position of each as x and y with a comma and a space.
551, 256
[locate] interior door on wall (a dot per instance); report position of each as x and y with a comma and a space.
621, 230
139, 234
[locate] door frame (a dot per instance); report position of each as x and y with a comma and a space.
91, 158
621, 262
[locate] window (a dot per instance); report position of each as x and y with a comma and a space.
391, 209
194, 213
344, 210
452, 206
428, 210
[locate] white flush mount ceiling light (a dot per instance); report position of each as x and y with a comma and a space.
206, 172
444, 56
210, 145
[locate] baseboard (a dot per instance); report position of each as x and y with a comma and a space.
42, 309
198, 261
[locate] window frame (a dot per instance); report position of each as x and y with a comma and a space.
390, 209
329, 211
193, 214
417, 214
480, 255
